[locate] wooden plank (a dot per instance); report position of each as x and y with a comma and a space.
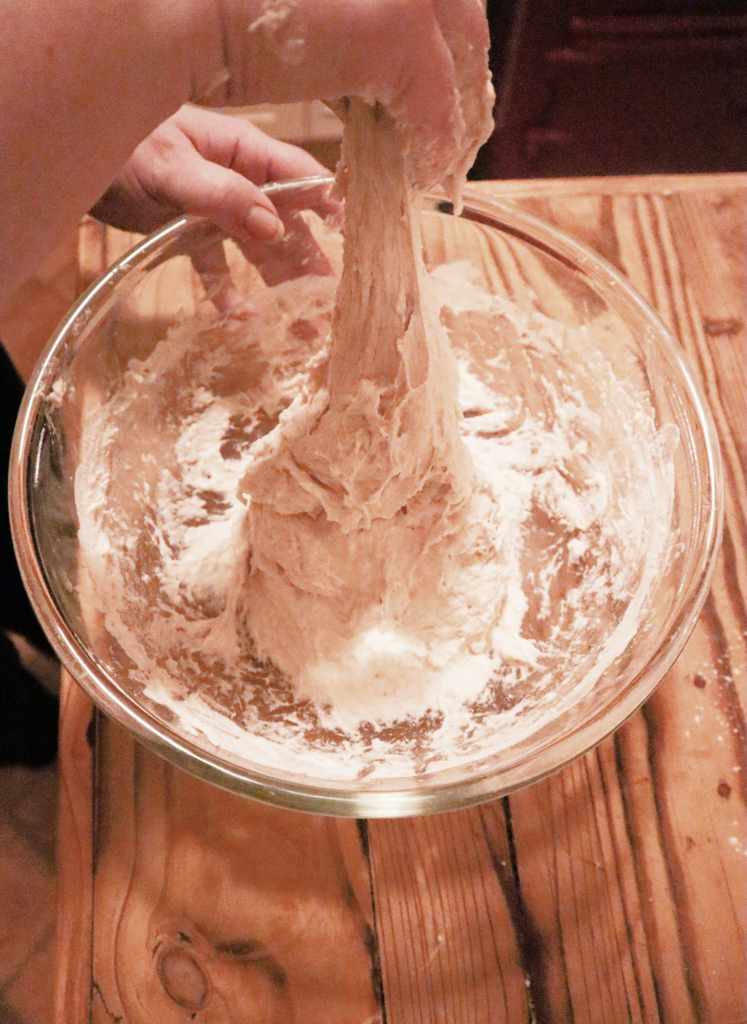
447, 941
649, 858
696, 720
589, 961
214, 907
696, 754
74, 858
658, 930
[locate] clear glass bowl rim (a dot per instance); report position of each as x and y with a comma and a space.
396, 798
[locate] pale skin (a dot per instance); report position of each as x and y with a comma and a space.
209, 164
84, 82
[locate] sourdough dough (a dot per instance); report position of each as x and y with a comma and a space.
361, 503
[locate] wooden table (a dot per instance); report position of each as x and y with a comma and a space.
614, 891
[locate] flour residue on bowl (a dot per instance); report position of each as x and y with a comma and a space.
517, 613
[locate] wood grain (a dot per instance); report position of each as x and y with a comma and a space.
210, 907
448, 948
74, 856
614, 891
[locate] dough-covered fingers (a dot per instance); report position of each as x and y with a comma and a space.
424, 60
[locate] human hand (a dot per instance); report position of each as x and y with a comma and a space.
209, 164
129, 66
425, 61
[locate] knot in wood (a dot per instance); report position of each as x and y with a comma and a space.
183, 978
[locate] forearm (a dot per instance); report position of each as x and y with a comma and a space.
82, 82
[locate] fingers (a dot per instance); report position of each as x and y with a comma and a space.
208, 164
235, 143
235, 204
212, 267
212, 165
413, 56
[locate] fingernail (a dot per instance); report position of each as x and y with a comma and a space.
264, 225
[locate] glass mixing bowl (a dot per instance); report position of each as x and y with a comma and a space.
190, 270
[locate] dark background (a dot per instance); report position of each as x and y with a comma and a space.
588, 87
